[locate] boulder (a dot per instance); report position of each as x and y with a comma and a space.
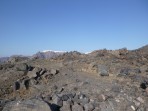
22, 67
31, 74
27, 105
103, 70
34, 73
21, 84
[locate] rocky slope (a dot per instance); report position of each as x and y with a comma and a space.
103, 80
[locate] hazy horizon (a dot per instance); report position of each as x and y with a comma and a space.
43, 51
29, 26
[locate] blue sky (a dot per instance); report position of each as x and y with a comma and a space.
28, 26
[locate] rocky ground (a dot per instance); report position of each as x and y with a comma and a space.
103, 80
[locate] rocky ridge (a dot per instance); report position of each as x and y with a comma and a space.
103, 80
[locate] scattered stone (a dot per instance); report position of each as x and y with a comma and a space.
71, 95
84, 101
58, 101
89, 107
77, 107
52, 89
116, 88
97, 109
46, 77
124, 72
76, 99
105, 107
137, 71
65, 97
81, 95
141, 109
61, 89
53, 71
140, 99
144, 85
55, 87
133, 108
2, 103
66, 106
102, 97
32, 82
95, 103
47, 98
137, 103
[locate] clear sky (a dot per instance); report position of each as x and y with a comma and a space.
28, 26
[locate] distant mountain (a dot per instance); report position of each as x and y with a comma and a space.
13, 58
3, 59
48, 54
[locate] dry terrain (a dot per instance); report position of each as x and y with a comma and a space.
103, 80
